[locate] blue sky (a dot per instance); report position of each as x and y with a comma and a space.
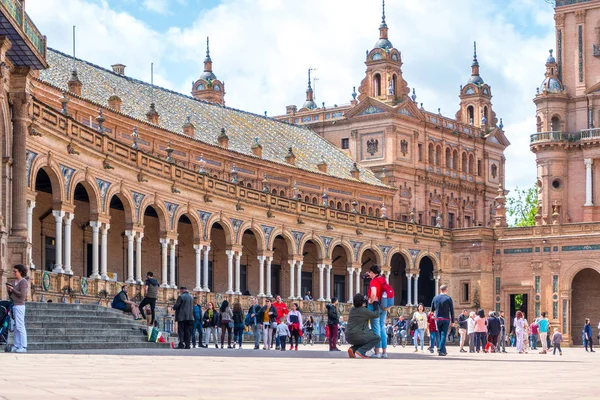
262, 49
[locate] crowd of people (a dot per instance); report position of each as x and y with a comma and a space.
368, 328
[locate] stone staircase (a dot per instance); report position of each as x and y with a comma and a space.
61, 326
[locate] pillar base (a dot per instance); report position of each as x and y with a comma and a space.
230, 292
328, 300
104, 277
260, 295
66, 271
165, 286
198, 289
238, 293
95, 276
128, 281
292, 298
321, 299
268, 295
173, 286
207, 290
58, 270
139, 282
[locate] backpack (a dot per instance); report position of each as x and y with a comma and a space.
387, 294
414, 325
248, 320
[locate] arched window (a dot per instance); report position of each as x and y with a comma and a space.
376, 85
394, 83
331, 204
455, 159
339, 205
463, 162
347, 207
363, 210
282, 193
370, 211
431, 154
249, 185
200, 86
470, 114
274, 191
314, 200
448, 158
485, 113
539, 124
377, 212
555, 123
307, 199
217, 88
438, 155
471, 164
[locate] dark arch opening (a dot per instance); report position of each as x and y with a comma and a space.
42, 182
398, 278
426, 283
584, 289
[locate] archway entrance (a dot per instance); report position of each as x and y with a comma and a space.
584, 289
398, 278
426, 282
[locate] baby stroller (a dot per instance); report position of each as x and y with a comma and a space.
5, 323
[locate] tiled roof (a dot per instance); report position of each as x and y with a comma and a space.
208, 118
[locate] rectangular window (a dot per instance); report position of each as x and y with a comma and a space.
478, 167
420, 219
404, 218
450, 220
464, 295
339, 287
420, 151
243, 279
433, 214
345, 143
537, 283
50, 254
497, 286
555, 283
467, 221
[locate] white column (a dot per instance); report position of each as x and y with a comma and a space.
173, 284
350, 284
261, 276
299, 281
206, 251
130, 236
197, 249
358, 289
164, 255
30, 207
328, 282
138, 257
269, 261
58, 220
409, 287
292, 276
416, 299
238, 256
104, 261
67, 256
588, 182
437, 285
229, 271
387, 276
321, 283
95, 228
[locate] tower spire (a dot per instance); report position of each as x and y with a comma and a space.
208, 60
309, 103
383, 28
309, 86
475, 78
383, 13
475, 62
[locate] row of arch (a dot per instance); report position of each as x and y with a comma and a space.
451, 159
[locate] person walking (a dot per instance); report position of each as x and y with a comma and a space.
471, 331
121, 302
283, 332
432, 328
420, 318
184, 315
332, 324
587, 335
210, 321
18, 293
520, 324
226, 324
197, 324
556, 340
480, 331
267, 317
533, 337
493, 324
502, 337
358, 332
443, 307
309, 327
294, 320
238, 324
376, 295
252, 322
282, 311
543, 328
463, 326
151, 294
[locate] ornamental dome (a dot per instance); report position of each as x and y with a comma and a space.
383, 43
551, 85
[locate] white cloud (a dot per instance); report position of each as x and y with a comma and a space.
262, 49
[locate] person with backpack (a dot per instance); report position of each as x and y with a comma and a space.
443, 307
18, 294
251, 321
238, 324
381, 294
150, 296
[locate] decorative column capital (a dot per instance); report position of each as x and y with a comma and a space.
197, 248
130, 234
95, 225
329, 267
106, 227
350, 270
229, 253
140, 236
58, 214
588, 162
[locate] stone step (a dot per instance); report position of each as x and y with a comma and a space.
96, 346
96, 323
101, 329
66, 313
75, 319
131, 337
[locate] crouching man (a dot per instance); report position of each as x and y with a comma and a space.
358, 333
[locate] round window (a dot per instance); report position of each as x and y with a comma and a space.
556, 184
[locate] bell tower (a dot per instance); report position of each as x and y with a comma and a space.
384, 79
208, 87
476, 99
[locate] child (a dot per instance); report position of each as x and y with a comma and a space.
556, 339
283, 332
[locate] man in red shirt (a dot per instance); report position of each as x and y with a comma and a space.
433, 333
282, 311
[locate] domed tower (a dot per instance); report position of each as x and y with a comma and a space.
309, 104
384, 74
476, 99
551, 154
208, 87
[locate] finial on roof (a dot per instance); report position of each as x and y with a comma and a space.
207, 50
414, 95
135, 136
309, 87
501, 126
383, 12
475, 54
353, 92
100, 120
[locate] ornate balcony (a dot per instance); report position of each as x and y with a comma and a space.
554, 136
28, 44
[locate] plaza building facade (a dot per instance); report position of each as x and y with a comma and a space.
106, 177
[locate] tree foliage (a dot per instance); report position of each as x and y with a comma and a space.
522, 206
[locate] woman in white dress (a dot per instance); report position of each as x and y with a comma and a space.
520, 324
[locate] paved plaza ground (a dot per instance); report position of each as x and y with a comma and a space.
311, 373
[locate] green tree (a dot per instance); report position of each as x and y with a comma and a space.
522, 206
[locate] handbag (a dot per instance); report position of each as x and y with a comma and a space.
230, 324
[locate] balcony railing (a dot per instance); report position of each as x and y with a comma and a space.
593, 133
555, 136
13, 9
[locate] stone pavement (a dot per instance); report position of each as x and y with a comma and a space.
311, 373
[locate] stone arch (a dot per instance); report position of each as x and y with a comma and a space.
584, 296
375, 249
91, 187
126, 199
288, 237
194, 219
434, 259
405, 253
51, 169
227, 227
257, 231
318, 242
556, 123
568, 274
342, 243
163, 215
